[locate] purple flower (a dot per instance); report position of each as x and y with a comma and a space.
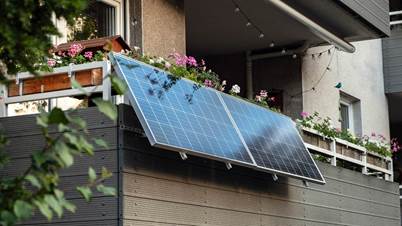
304, 114
179, 59
192, 61
208, 83
88, 55
51, 62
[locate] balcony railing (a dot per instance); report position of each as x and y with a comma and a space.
355, 155
396, 14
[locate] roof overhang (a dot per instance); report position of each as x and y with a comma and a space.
213, 27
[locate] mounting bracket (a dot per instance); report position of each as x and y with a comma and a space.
306, 184
275, 177
183, 155
228, 165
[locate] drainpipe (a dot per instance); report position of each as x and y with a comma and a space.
288, 52
314, 27
249, 76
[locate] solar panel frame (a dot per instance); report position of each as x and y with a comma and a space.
153, 142
150, 135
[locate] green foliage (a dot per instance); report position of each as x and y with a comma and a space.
377, 144
83, 28
106, 107
26, 28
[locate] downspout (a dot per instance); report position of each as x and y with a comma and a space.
314, 27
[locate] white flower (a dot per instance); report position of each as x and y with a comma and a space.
167, 65
151, 61
224, 82
235, 89
136, 48
160, 60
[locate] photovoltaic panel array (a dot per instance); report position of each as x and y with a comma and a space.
179, 115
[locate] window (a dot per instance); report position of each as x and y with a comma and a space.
101, 18
350, 116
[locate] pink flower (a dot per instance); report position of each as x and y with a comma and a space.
179, 59
208, 83
74, 50
167, 65
263, 93
51, 62
192, 61
304, 114
338, 130
202, 62
88, 55
373, 134
272, 99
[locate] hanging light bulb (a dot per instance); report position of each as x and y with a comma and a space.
283, 51
237, 9
294, 56
248, 24
261, 35
272, 44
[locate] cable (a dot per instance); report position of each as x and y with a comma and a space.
247, 18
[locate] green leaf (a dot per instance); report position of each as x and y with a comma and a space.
42, 120
57, 116
33, 180
105, 173
106, 190
44, 208
77, 85
22, 209
107, 108
7, 218
38, 159
64, 154
91, 175
54, 204
69, 206
101, 143
85, 192
118, 84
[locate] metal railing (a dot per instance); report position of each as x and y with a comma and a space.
396, 13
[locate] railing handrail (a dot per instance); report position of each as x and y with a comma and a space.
395, 13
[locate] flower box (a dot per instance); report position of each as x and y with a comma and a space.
348, 150
56, 82
316, 140
377, 160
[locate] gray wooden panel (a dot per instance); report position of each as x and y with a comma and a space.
100, 208
26, 125
17, 146
107, 159
392, 60
77, 223
375, 12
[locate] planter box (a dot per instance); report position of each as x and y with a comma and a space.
377, 160
55, 82
316, 140
349, 151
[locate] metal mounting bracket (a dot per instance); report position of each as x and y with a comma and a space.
183, 155
228, 165
275, 177
306, 184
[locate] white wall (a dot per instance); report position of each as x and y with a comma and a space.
361, 74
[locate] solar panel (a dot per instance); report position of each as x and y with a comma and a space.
273, 140
178, 115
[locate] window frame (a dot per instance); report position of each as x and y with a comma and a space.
349, 106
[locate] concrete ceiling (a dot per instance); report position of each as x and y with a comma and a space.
212, 26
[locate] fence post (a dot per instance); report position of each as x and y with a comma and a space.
333, 150
364, 159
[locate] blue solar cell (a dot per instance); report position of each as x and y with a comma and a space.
272, 139
178, 115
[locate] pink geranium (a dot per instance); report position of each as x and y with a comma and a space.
263, 93
51, 62
88, 55
304, 114
192, 61
74, 50
208, 83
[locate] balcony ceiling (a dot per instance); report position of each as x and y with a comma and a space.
213, 27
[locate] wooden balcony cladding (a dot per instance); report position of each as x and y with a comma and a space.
90, 77
392, 60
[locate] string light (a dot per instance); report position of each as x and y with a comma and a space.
272, 44
294, 56
249, 22
319, 54
327, 68
283, 51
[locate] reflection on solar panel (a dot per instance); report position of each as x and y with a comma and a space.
179, 115
272, 139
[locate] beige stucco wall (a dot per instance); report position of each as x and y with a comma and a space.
163, 24
361, 74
